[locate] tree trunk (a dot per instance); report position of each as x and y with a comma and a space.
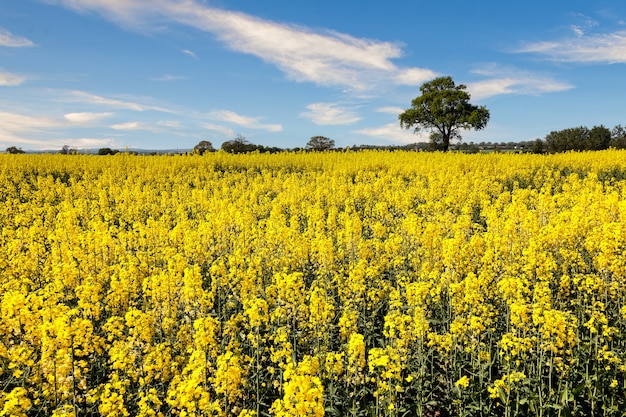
445, 140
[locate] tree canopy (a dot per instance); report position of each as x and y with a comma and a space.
444, 108
618, 137
238, 145
107, 151
578, 139
203, 146
320, 143
68, 150
14, 150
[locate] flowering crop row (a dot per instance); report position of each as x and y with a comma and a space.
356, 284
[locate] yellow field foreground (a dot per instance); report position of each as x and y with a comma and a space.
357, 283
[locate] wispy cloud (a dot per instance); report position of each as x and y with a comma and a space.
10, 79
218, 128
392, 132
13, 41
168, 77
53, 144
325, 114
133, 125
189, 53
81, 143
414, 76
246, 121
84, 97
507, 80
323, 57
43, 132
161, 126
608, 48
169, 123
16, 122
390, 110
85, 117
583, 23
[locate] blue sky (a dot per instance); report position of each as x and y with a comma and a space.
165, 74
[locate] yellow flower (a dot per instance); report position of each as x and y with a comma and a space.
463, 382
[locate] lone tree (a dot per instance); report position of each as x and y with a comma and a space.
14, 150
203, 146
444, 108
238, 145
107, 151
320, 143
68, 150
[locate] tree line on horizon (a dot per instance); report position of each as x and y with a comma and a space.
580, 138
443, 108
571, 139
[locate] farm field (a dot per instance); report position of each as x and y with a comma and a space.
307, 284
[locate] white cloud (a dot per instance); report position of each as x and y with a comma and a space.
128, 13
607, 48
190, 53
326, 114
10, 40
169, 123
41, 132
30, 143
579, 31
10, 79
85, 117
322, 57
129, 126
491, 87
168, 77
390, 110
84, 97
169, 126
82, 143
584, 22
18, 128
506, 80
414, 76
217, 128
246, 121
392, 132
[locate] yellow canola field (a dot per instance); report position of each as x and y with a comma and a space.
353, 284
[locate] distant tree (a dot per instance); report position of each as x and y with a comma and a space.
320, 143
203, 146
238, 145
14, 150
566, 139
107, 151
68, 150
268, 149
618, 137
578, 138
444, 108
599, 138
537, 146
436, 142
